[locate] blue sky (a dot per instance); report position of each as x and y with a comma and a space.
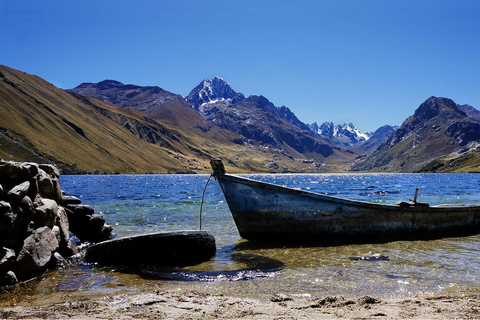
369, 62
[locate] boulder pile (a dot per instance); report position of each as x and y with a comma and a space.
37, 219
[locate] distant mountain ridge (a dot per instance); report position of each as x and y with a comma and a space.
128, 96
114, 127
349, 137
213, 99
82, 134
437, 129
213, 110
257, 120
43, 123
211, 91
377, 138
346, 134
470, 111
152, 101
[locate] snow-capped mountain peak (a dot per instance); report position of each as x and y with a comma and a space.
213, 90
346, 134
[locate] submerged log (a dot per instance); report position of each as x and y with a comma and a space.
175, 248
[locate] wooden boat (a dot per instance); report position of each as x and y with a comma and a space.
264, 211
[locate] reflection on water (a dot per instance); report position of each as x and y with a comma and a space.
147, 203
255, 267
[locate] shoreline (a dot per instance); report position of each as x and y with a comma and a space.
197, 305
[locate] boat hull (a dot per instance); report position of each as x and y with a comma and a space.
270, 212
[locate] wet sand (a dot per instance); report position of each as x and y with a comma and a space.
198, 305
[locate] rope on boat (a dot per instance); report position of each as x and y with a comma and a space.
201, 203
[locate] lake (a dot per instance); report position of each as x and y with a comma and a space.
135, 204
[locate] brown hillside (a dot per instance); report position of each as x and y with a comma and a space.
253, 125
40, 121
43, 123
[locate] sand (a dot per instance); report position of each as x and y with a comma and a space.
197, 305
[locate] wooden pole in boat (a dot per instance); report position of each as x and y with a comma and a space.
416, 195
217, 167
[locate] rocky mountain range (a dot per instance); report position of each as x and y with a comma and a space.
214, 105
46, 124
346, 134
81, 130
114, 127
349, 137
214, 90
152, 101
438, 131
377, 138
260, 124
219, 92
470, 111
256, 120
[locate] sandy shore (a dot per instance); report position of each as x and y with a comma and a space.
196, 305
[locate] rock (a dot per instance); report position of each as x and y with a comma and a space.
33, 190
63, 226
96, 221
58, 262
57, 195
28, 207
36, 253
24, 215
66, 200
7, 257
81, 210
49, 187
34, 229
50, 169
46, 213
5, 208
107, 231
69, 250
8, 279
78, 219
87, 225
14, 172
371, 257
56, 232
16, 194
7, 219
45, 185
368, 300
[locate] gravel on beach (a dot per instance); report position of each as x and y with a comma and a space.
197, 305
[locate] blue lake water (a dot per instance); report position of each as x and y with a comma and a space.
135, 204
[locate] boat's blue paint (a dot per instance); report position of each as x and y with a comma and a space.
268, 211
